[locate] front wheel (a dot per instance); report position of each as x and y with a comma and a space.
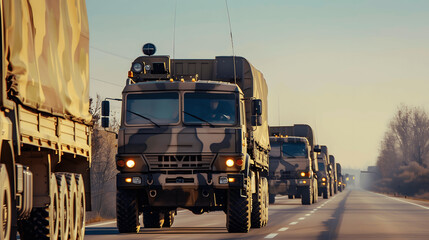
307, 196
169, 218
239, 209
5, 203
153, 218
127, 212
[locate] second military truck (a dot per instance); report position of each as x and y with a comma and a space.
194, 135
293, 165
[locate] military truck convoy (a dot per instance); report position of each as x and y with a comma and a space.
293, 164
45, 121
194, 135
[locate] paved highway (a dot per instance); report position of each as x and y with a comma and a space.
352, 214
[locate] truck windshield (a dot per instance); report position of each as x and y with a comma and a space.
210, 108
275, 149
152, 108
321, 166
294, 150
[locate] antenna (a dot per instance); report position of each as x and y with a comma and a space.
174, 37
232, 41
278, 106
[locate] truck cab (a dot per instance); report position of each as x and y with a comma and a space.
323, 175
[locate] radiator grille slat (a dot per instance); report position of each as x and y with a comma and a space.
167, 162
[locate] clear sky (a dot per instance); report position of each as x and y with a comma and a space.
341, 66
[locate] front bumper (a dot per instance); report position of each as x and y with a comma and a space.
287, 186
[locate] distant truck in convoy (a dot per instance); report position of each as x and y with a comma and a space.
45, 120
193, 135
293, 164
330, 177
340, 184
334, 173
323, 175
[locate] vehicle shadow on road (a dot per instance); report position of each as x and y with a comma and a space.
184, 230
333, 224
101, 231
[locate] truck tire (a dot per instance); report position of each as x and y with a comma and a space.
325, 193
43, 222
307, 195
272, 198
266, 197
73, 216
331, 190
81, 207
258, 207
239, 210
127, 212
168, 219
152, 218
63, 196
5, 203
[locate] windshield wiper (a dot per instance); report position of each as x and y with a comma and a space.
192, 115
150, 120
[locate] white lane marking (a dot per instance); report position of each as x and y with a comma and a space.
308, 214
319, 207
400, 200
301, 218
100, 224
281, 197
283, 229
293, 223
315, 209
271, 235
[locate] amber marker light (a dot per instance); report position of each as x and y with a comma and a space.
304, 182
130, 163
120, 163
323, 179
231, 180
130, 74
239, 162
302, 174
229, 163
128, 180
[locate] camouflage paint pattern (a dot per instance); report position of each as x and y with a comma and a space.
46, 46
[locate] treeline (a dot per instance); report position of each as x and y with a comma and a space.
404, 154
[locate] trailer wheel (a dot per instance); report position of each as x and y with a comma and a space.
43, 223
127, 212
169, 218
239, 209
5, 203
73, 205
272, 198
64, 206
307, 195
258, 207
152, 218
266, 200
81, 207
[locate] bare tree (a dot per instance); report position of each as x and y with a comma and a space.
103, 171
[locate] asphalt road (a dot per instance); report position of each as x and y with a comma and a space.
352, 214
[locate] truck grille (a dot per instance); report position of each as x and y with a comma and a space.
167, 162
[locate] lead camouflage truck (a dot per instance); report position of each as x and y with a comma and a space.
192, 136
293, 164
44, 119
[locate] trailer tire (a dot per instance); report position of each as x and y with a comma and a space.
169, 218
64, 205
152, 218
127, 212
266, 198
43, 222
73, 205
307, 195
5, 204
238, 217
272, 198
258, 208
81, 207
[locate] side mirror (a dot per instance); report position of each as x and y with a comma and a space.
105, 112
257, 107
317, 149
256, 120
105, 108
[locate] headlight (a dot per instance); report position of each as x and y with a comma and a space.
323, 179
302, 174
137, 67
147, 67
229, 163
130, 163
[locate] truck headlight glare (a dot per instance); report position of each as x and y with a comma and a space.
323, 179
302, 174
130, 163
229, 163
137, 67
